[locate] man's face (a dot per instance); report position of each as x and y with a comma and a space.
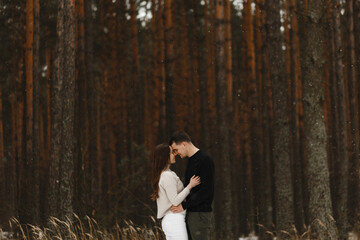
172, 156
179, 149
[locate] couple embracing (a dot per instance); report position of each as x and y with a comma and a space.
185, 212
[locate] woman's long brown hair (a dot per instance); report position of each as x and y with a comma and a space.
161, 159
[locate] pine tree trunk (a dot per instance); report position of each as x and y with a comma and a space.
81, 119
296, 112
353, 89
148, 88
265, 203
284, 199
124, 80
154, 128
182, 93
302, 8
186, 91
29, 113
61, 184
261, 172
247, 199
357, 34
102, 107
229, 103
320, 209
198, 87
210, 72
135, 83
12, 126
25, 210
93, 103
331, 112
330, 104
250, 113
36, 115
19, 106
222, 119
355, 184
3, 197
162, 73
341, 155
42, 172
29, 195
169, 67
49, 52
236, 143
18, 113
228, 54
253, 101
202, 130
46, 162
112, 91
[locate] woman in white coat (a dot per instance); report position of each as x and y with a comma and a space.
168, 190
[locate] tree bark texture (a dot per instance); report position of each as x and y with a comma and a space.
222, 119
169, 67
29, 194
113, 92
3, 197
320, 209
61, 185
284, 199
210, 69
296, 109
341, 159
353, 89
250, 112
124, 143
355, 184
93, 103
136, 84
265, 202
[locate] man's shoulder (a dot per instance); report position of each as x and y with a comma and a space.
204, 156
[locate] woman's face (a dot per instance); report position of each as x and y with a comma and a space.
172, 156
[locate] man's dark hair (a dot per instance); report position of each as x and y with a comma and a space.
179, 137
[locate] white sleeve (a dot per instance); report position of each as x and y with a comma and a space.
170, 186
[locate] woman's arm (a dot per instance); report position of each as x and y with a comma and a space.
169, 184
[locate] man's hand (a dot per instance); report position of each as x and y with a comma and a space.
176, 209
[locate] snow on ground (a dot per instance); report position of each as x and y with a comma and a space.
249, 238
352, 236
5, 235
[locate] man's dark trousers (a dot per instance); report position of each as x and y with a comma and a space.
199, 225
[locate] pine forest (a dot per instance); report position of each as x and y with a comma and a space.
269, 88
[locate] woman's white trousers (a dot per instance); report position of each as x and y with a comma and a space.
174, 227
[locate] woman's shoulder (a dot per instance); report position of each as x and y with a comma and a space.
167, 174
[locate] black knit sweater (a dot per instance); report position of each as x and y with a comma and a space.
201, 196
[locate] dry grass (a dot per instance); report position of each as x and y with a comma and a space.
76, 229
292, 234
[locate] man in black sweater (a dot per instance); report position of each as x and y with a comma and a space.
198, 203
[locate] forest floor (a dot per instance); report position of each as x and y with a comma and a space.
76, 229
